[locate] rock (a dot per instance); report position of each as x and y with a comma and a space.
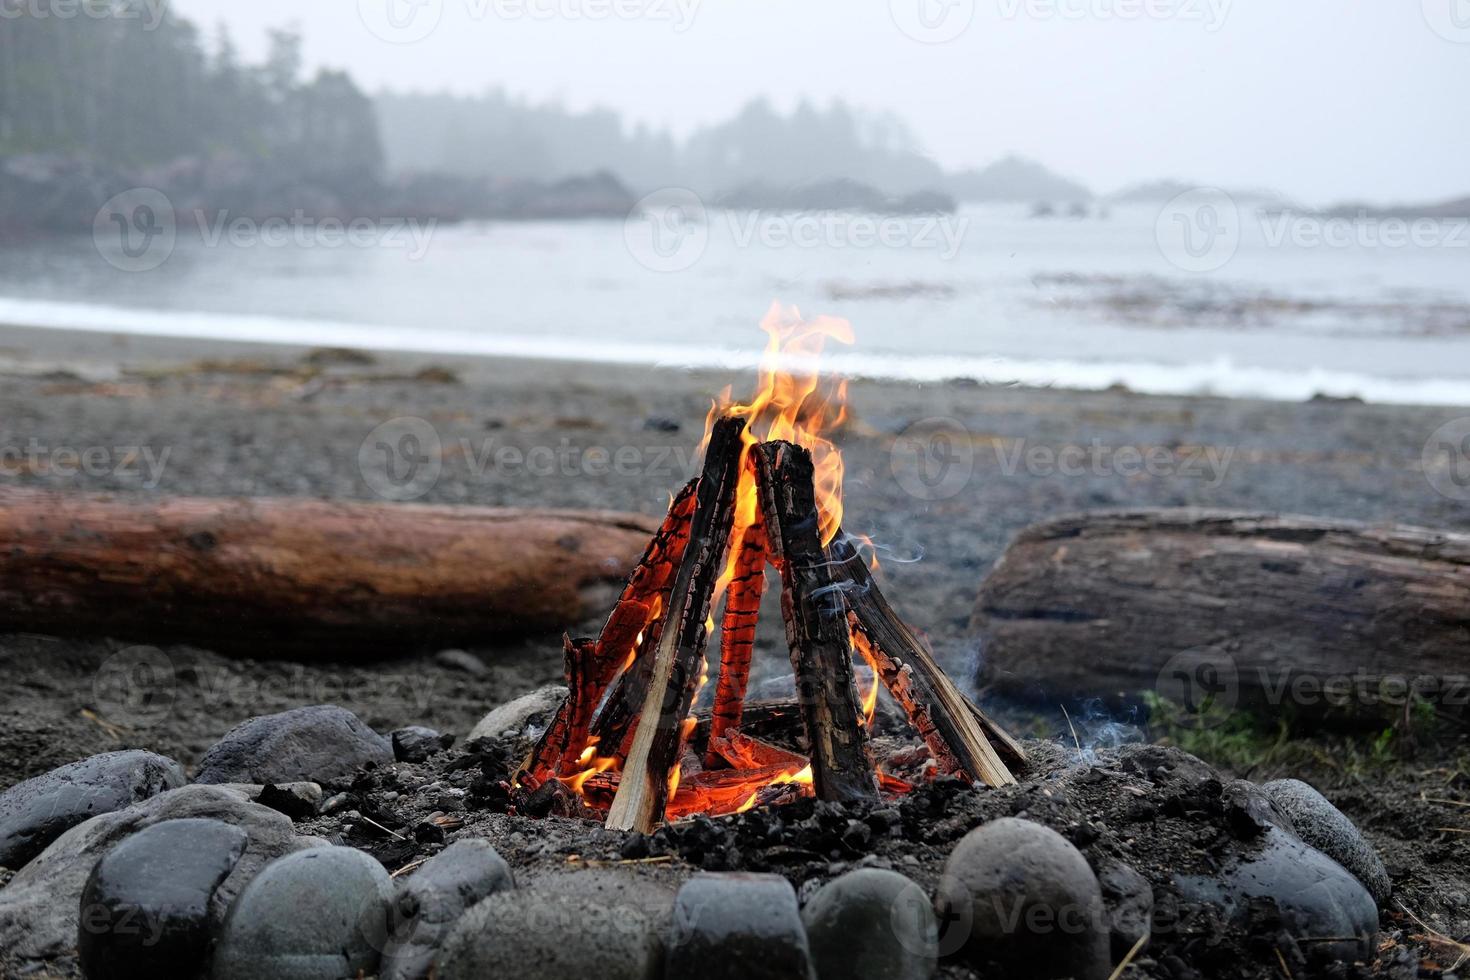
533, 936
1019, 894
1328, 829
39, 908
320, 743
296, 800
1129, 900
529, 711
145, 907
303, 791
1315, 896
873, 924
612, 889
738, 927
36, 812
430, 902
315, 915
416, 743
462, 661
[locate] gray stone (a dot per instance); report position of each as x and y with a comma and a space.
462, 661
738, 927
319, 744
36, 812
1328, 829
315, 915
533, 936
1316, 896
529, 712
431, 900
1129, 900
873, 924
1019, 894
416, 743
612, 889
145, 907
39, 908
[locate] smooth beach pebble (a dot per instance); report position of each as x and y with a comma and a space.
528, 710
1017, 893
532, 936
320, 743
315, 915
36, 812
430, 901
873, 924
1328, 829
738, 927
145, 908
416, 743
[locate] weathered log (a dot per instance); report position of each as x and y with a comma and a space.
1195, 603
680, 647
266, 572
816, 626
943, 716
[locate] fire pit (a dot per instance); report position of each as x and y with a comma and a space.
624, 742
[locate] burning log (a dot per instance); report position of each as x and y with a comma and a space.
943, 716
737, 630
816, 625
644, 788
226, 572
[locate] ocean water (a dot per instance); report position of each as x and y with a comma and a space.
1140, 297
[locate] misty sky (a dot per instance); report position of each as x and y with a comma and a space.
1322, 100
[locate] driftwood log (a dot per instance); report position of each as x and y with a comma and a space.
1266, 610
246, 572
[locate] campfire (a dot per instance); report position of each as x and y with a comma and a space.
625, 744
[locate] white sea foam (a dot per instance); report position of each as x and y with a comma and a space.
1218, 376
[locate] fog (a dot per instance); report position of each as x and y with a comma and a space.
1317, 101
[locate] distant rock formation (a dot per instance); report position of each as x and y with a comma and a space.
1015, 179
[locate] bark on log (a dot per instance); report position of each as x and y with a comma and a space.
816, 626
1191, 602
947, 721
737, 629
265, 572
644, 788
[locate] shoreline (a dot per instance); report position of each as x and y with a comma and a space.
172, 335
